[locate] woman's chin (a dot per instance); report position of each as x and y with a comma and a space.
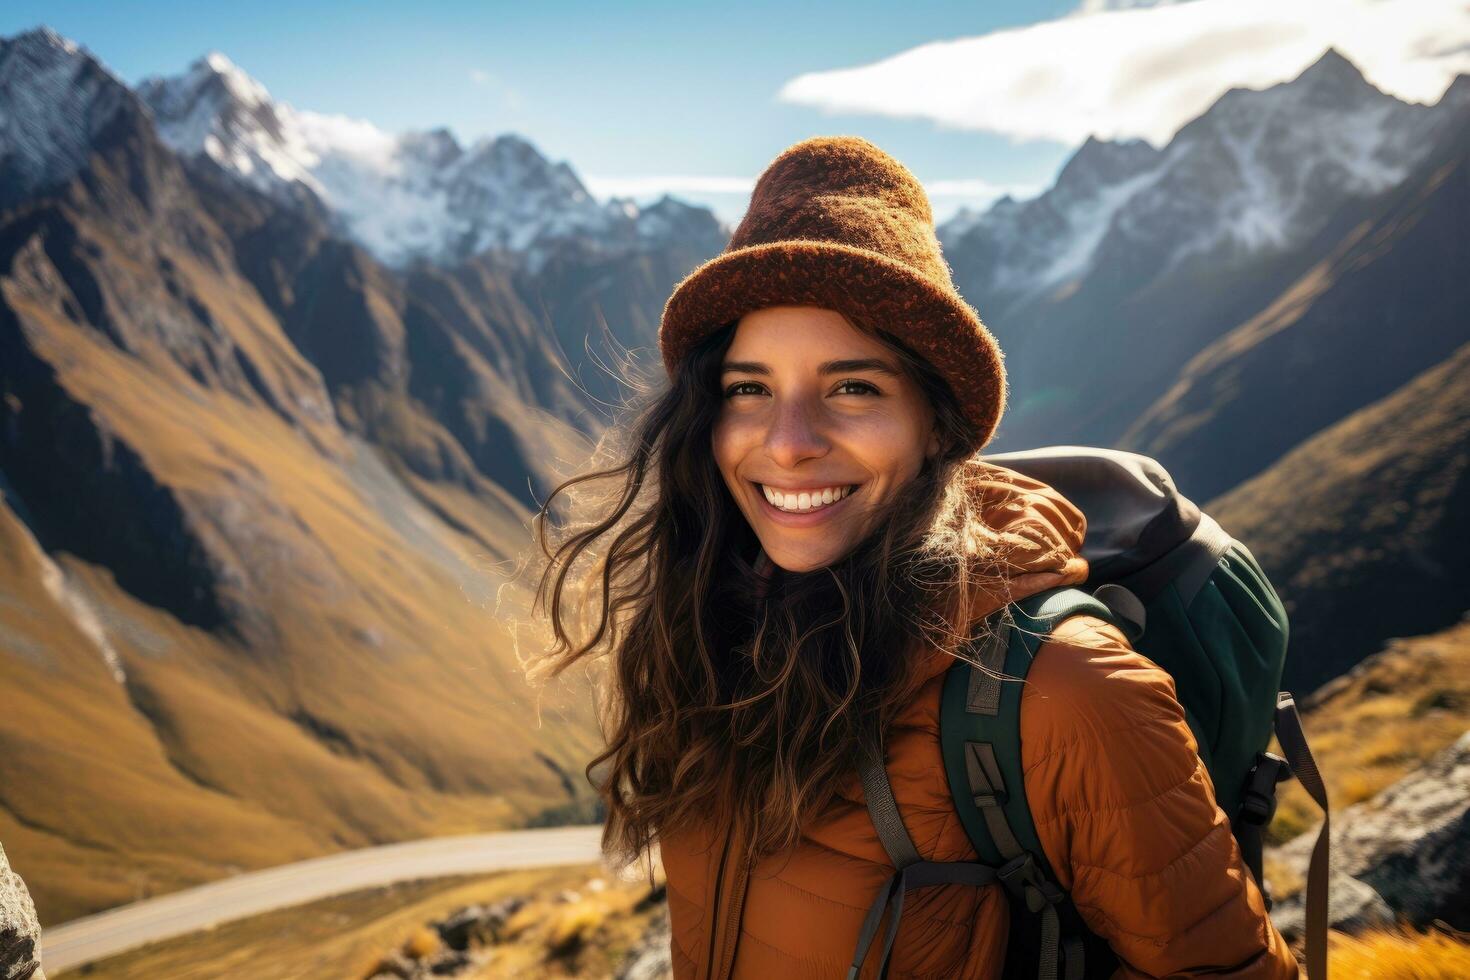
801, 556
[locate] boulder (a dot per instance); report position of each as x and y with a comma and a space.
1410, 845
20, 931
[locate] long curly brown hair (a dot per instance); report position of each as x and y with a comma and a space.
733, 686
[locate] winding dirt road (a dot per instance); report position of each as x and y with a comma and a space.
81, 941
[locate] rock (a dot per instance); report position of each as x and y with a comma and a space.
1351, 907
20, 931
650, 958
476, 925
1410, 844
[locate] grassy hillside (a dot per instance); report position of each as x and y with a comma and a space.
365, 689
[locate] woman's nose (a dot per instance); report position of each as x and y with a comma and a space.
796, 433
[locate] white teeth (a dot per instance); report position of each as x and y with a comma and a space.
806, 501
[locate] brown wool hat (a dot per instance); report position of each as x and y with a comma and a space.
835, 222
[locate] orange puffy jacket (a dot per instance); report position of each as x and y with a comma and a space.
1123, 805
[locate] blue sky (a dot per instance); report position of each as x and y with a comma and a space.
697, 98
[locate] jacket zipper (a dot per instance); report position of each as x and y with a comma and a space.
732, 919
714, 928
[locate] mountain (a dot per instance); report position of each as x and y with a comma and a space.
595, 274
1386, 300
1138, 258
260, 496
402, 197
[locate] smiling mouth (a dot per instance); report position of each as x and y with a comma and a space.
806, 501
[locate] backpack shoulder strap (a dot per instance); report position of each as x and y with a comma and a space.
1304, 767
980, 724
980, 721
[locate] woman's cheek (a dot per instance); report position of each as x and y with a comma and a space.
729, 442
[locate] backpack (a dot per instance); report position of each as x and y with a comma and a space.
1190, 598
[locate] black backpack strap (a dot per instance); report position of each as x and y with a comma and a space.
1257, 808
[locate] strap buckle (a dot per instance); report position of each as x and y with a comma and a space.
1258, 803
1024, 879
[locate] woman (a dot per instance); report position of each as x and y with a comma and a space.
801, 535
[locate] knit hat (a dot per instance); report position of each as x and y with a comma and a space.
835, 222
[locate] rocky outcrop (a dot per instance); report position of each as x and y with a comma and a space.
449, 946
651, 958
20, 932
1408, 847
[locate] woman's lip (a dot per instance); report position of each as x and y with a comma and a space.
791, 519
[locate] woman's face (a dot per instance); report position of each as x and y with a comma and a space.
818, 428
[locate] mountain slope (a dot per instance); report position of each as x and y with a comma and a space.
1363, 527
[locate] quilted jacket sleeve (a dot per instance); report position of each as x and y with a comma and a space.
1127, 816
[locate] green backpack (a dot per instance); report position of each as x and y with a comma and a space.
1190, 598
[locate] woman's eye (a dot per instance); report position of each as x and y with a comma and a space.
857, 387
742, 388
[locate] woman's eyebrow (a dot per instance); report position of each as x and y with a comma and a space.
875, 364
847, 366
744, 368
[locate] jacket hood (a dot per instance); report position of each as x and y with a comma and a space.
1034, 533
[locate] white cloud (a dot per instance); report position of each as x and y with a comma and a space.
1145, 70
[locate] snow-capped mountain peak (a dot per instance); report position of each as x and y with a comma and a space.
54, 100
1259, 171
404, 197
239, 84
217, 110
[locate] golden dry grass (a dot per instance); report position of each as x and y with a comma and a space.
1400, 954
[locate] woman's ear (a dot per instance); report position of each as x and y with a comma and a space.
935, 444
